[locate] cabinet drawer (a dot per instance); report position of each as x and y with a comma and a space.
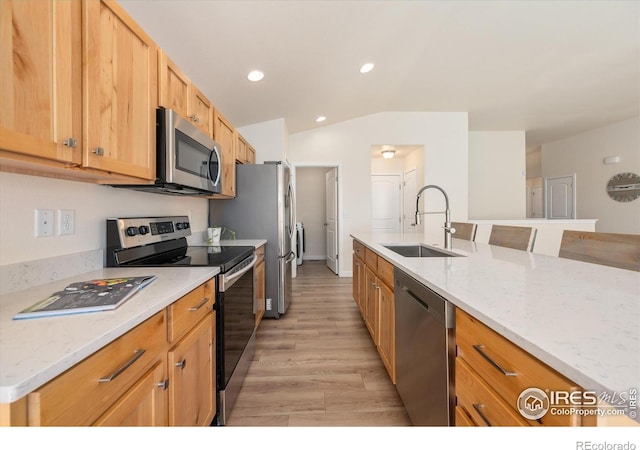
190, 309
358, 249
491, 355
385, 272
481, 403
81, 394
462, 418
371, 259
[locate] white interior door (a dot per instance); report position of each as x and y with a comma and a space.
331, 186
409, 192
385, 208
537, 204
560, 197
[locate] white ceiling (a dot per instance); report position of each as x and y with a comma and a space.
552, 68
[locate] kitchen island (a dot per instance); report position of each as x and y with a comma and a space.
580, 319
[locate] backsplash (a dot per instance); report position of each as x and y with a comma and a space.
18, 276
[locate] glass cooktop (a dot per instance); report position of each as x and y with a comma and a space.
223, 256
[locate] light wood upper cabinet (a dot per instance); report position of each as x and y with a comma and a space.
177, 92
40, 79
225, 135
120, 92
245, 153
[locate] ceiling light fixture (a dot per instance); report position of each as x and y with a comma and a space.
321, 119
255, 75
368, 67
388, 154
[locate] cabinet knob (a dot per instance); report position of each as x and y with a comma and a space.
71, 142
163, 384
99, 151
181, 364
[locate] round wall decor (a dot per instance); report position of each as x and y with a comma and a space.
624, 187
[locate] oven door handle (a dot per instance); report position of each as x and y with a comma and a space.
227, 281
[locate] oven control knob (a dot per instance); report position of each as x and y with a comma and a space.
132, 231
143, 229
182, 225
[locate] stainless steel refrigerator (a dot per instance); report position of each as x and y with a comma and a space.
264, 208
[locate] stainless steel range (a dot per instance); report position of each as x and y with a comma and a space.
161, 242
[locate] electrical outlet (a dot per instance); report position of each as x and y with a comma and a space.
44, 222
66, 221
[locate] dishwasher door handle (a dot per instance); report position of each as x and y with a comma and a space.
415, 297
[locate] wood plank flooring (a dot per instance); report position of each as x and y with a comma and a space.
317, 365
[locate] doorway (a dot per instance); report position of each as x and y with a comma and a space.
318, 212
560, 197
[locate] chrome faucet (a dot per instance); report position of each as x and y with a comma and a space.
448, 229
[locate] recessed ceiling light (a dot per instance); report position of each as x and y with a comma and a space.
368, 67
321, 119
255, 75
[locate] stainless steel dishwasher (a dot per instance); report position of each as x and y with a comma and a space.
425, 349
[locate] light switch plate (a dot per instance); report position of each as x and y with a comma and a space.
44, 222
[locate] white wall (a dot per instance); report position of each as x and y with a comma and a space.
534, 163
497, 164
20, 195
310, 209
382, 166
445, 140
269, 139
583, 154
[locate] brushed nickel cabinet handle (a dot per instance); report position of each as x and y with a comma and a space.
137, 354
71, 142
181, 364
480, 349
99, 151
163, 384
199, 305
479, 407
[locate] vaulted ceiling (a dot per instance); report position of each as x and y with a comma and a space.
551, 68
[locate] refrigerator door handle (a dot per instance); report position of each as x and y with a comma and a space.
292, 213
288, 257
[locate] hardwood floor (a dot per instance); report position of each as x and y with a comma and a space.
317, 365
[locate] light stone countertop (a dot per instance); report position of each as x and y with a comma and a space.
34, 351
581, 319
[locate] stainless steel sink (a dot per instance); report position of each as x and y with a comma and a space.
418, 251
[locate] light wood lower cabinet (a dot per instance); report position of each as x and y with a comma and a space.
192, 388
373, 293
259, 290
162, 372
490, 374
145, 404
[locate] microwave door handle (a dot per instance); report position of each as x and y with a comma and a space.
215, 183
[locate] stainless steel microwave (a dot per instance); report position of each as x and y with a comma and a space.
187, 160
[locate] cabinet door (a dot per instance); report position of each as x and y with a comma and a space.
224, 134
120, 92
145, 404
260, 294
40, 79
371, 304
358, 284
251, 155
200, 111
173, 85
192, 387
387, 347
241, 150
